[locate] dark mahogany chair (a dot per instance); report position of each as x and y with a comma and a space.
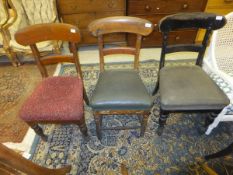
188, 88
56, 99
120, 91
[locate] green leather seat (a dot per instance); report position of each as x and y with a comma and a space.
184, 88
120, 90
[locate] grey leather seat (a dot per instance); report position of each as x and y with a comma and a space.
189, 88
120, 90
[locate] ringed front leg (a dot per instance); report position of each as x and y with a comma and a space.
39, 131
98, 125
144, 123
162, 122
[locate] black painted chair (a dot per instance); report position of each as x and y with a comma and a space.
188, 88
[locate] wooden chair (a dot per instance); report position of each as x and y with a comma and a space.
13, 163
56, 99
188, 88
120, 91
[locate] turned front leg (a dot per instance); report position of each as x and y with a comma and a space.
98, 125
39, 131
162, 122
144, 124
83, 127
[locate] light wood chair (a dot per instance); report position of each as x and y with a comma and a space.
56, 99
120, 91
13, 163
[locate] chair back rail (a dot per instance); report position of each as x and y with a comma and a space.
54, 31
44, 32
120, 24
125, 24
192, 20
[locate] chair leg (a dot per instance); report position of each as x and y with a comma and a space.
83, 127
98, 125
144, 124
85, 97
162, 122
156, 88
38, 130
210, 118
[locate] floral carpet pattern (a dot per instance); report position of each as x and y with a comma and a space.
15, 86
170, 154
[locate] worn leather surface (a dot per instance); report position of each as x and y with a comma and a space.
192, 20
120, 90
189, 88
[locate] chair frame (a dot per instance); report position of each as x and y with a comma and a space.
200, 48
42, 32
120, 24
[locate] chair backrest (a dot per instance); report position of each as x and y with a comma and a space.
120, 24
3, 13
55, 31
220, 52
196, 20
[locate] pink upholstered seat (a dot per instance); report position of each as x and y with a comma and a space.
55, 99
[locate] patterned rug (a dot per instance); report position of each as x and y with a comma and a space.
15, 85
171, 153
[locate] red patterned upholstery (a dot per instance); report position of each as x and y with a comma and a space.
55, 99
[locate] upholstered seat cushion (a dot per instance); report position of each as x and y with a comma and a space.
120, 90
55, 99
189, 88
